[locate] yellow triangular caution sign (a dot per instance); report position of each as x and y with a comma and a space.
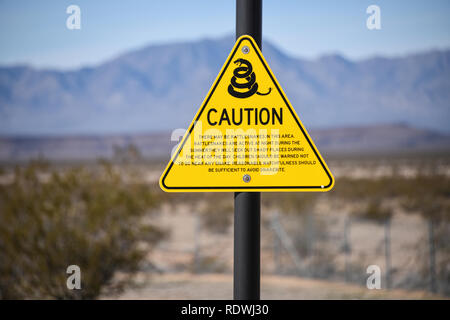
246, 136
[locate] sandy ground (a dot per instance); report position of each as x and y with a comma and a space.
220, 286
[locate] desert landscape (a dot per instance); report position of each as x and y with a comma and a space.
83, 144
333, 240
390, 210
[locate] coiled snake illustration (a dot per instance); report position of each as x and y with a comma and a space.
244, 72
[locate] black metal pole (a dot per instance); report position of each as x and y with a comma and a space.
247, 205
249, 19
246, 245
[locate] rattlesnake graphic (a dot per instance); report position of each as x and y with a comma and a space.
246, 72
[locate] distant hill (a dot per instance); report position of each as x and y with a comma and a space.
381, 138
160, 87
371, 139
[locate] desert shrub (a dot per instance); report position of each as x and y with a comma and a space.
290, 202
376, 211
364, 188
208, 264
430, 196
127, 154
217, 214
50, 220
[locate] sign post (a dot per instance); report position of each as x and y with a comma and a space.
247, 205
246, 138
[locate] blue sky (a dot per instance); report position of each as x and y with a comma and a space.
34, 32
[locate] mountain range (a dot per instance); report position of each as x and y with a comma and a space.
160, 87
